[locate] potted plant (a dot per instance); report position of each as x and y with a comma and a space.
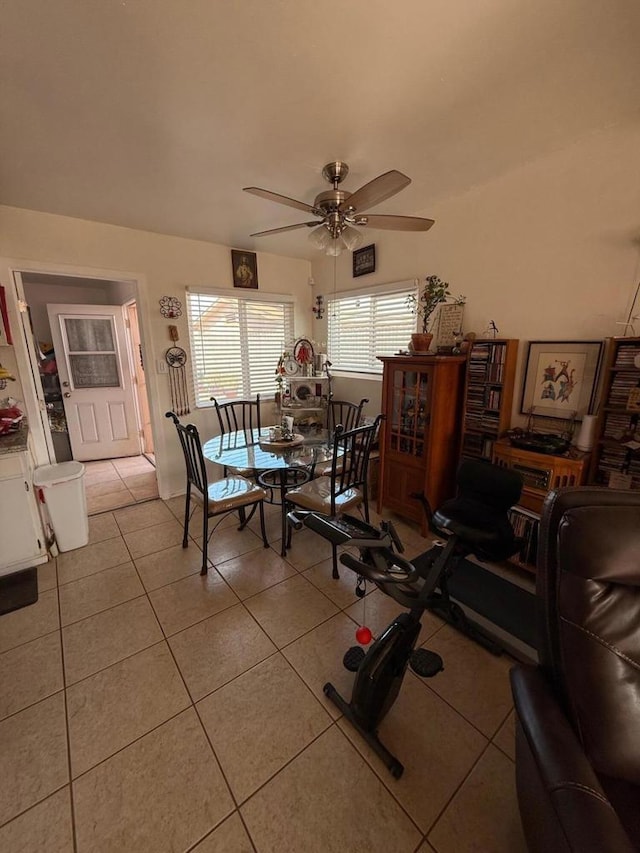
433, 293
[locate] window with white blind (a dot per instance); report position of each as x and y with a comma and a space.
236, 342
365, 325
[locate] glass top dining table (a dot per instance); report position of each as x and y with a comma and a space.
276, 465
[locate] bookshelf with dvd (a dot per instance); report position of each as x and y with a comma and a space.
488, 395
616, 453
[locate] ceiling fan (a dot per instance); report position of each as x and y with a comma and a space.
339, 210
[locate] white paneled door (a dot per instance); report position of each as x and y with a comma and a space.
95, 379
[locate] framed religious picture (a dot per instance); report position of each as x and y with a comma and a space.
364, 260
245, 269
560, 378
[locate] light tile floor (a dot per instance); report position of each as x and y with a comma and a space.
113, 483
146, 708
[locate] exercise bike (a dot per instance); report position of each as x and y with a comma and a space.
380, 670
474, 522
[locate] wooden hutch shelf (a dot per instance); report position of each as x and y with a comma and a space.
422, 404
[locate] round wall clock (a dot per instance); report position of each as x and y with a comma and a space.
303, 393
290, 366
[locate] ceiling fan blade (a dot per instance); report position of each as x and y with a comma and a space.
280, 199
285, 228
377, 190
397, 223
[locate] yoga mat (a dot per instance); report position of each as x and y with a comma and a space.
509, 606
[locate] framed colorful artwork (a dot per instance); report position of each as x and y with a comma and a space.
560, 378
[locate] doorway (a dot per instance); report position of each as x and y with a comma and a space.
89, 377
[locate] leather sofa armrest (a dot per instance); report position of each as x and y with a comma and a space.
562, 804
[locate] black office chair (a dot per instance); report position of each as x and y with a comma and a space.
218, 498
346, 487
475, 522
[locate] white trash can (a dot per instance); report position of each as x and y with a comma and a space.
62, 491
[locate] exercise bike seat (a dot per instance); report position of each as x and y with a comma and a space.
477, 516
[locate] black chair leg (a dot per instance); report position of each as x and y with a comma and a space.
335, 573
185, 538
366, 508
244, 518
288, 542
205, 538
263, 529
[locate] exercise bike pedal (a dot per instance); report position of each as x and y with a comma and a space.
353, 657
425, 663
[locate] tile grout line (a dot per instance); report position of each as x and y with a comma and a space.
66, 719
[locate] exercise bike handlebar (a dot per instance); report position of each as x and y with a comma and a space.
397, 570
382, 566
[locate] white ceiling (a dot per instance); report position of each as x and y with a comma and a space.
154, 114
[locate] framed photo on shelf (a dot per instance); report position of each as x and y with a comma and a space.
245, 269
560, 378
364, 260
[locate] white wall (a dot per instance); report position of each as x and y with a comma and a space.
549, 251
164, 266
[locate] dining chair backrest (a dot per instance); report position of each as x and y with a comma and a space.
344, 413
350, 464
193, 458
238, 415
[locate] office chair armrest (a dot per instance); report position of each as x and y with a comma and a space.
562, 804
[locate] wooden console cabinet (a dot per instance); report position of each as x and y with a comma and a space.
541, 472
419, 448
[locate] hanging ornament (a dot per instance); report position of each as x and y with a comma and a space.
176, 358
170, 307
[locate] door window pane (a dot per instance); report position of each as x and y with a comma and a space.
94, 335
94, 371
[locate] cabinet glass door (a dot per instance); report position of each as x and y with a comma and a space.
410, 411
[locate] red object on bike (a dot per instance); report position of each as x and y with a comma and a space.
363, 635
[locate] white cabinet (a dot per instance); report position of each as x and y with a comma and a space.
22, 542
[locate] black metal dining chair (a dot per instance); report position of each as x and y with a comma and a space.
342, 413
346, 487
218, 498
345, 413
235, 416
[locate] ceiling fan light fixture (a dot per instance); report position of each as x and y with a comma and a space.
320, 237
352, 238
334, 247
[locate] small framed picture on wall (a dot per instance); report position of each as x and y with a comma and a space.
245, 269
364, 260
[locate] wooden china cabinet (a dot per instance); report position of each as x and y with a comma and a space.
419, 448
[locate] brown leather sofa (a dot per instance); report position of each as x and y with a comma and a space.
578, 712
